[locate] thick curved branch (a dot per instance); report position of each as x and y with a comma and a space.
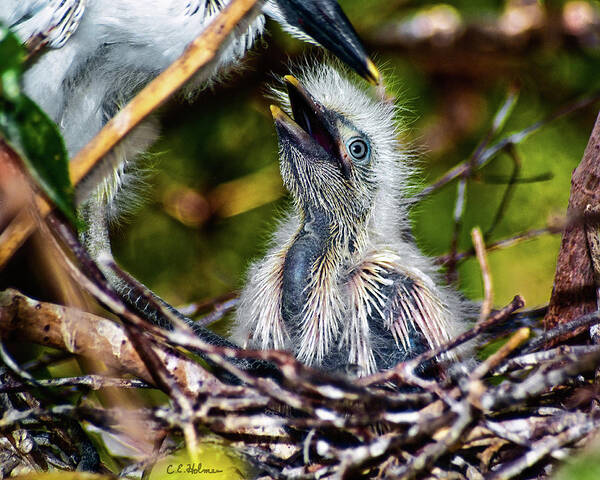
88, 335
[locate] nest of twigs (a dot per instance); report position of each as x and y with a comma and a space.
514, 415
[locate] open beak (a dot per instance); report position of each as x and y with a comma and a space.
312, 129
325, 22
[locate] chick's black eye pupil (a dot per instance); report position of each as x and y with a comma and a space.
358, 149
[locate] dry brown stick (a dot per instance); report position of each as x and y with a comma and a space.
476, 387
213, 309
530, 360
574, 292
431, 453
181, 335
93, 382
134, 326
488, 297
562, 331
549, 376
411, 365
500, 244
72, 330
502, 353
543, 447
199, 53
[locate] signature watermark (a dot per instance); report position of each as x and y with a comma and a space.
191, 469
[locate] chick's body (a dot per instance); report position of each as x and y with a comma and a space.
343, 285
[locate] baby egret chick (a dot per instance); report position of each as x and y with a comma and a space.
343, 286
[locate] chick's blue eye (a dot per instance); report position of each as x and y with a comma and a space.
357, 148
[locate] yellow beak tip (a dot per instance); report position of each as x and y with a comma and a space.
275, 111
375, 76
291, 80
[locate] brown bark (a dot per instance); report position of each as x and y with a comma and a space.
14, 190
574, 291
88, 335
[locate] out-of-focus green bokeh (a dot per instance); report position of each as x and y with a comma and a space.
216, 193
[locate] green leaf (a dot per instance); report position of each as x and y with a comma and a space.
30, 131
12, 52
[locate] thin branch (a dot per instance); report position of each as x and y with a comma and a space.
93, 382
540, 449
513, 139
488, 290
564, 329
512, 153
213, 309
500, 244
458, 215
411, 365
88, 335
530, 360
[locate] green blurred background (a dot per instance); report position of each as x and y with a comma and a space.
216, 191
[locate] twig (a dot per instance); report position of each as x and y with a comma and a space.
476, 388
458, 214
12, 365
512, 139
214, 309
500, 244
573, 219
512, 153
536, 383
94, 382
162, 314
503, 179
537, 358
564, 329
431, 453
461, 190
538, 450
488, 290
497, 357
411, 365
85, 334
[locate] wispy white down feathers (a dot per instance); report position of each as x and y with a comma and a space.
350, 292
